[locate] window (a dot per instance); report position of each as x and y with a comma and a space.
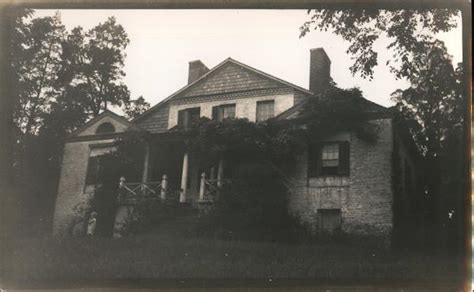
92, 170
265, 110
225, 111
328, 159
329, 220
105, 128
188, 116
330, 155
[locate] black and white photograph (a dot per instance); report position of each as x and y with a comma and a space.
286, 148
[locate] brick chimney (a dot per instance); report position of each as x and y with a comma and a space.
196, 70
320, 70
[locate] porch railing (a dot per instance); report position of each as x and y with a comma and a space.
133, 192
210, 188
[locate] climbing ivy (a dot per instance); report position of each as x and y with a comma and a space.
279, 141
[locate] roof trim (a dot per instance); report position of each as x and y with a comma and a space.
105, 113
214, 69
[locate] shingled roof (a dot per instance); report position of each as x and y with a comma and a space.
228, 76
370, 108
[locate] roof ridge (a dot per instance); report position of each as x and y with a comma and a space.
213, 70
98, 117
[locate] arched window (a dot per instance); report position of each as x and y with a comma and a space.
105, 128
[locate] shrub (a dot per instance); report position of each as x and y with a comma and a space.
253, 206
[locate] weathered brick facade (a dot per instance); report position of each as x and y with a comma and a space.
72, 190
364, 196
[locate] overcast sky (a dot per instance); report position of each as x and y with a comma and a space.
162, 42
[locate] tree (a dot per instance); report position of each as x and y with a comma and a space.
93, 66
433, 102
60, 79
432, 110
136, 107
35, 62
410, 32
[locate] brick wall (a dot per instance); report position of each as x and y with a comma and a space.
245, 107
364, 196
71, 189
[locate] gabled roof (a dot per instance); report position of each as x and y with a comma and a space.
229, 61
105, 113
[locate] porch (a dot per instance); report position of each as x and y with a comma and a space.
172, 174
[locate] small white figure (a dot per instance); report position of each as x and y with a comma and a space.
92, 223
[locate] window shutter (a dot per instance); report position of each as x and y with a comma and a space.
215, 113
314, 160
344, 159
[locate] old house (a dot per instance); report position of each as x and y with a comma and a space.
346, 184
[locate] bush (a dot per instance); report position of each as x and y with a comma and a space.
253, 206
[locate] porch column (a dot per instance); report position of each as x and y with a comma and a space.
202, 187
184, 178
220, 172
146, 162
164, 186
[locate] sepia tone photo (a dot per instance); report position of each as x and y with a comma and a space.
294, 149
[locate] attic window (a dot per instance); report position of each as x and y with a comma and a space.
265, 110
224, 111
187, 117
105, 128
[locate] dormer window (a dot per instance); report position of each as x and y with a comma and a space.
105, 128
187, 117
224, 111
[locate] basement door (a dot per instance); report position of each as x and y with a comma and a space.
329, 220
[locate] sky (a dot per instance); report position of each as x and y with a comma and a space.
162, 42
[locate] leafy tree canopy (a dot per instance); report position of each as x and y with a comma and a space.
35, 60
93, 66
136, 107
410, 32
432, 107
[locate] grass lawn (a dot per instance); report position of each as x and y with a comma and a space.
172, 258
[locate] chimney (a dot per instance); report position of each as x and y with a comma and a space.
196, 70
320, 70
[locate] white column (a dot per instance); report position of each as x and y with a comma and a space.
220, 172
146, 162
202, 187
164, 186
184, 178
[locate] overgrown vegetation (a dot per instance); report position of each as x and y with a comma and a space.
261, 155
258, 158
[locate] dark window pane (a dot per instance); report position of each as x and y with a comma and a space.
329, 220
105, 128
187, 117
92, 170
225, 111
